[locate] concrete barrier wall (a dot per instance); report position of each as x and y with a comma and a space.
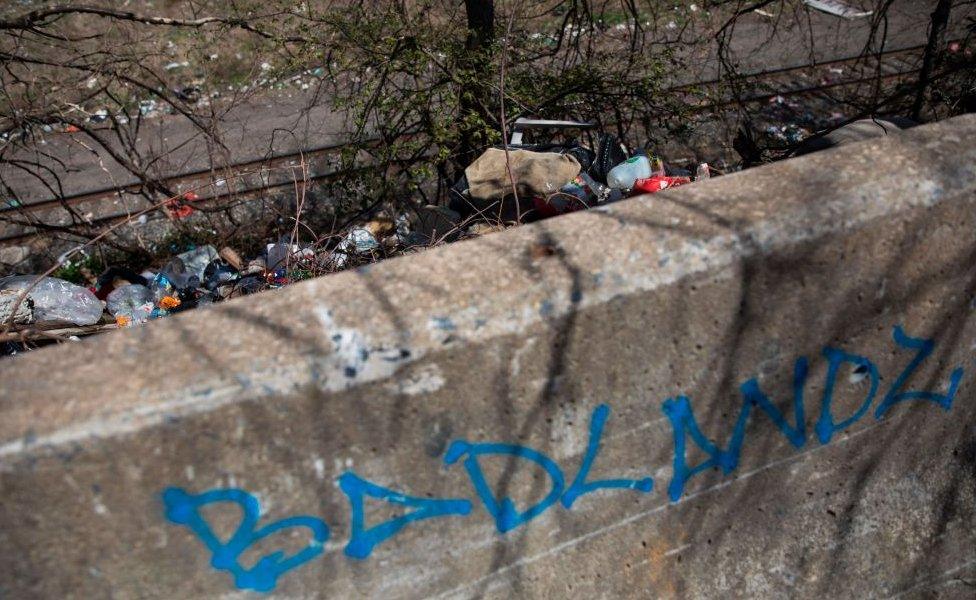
758, 386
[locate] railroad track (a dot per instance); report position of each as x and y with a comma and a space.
254, 178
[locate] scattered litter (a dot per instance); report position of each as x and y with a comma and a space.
218, 273
791, 134
115, 277
579, 194
256, 265
195, 261
381, 228
838, 9
550, 179
169, 302
231, 257
281, 254
129, 304
147, 107
533, 173
178, 206
658, 183
57, 299
361, 241
623, 176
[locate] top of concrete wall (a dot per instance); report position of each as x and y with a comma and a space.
340, 331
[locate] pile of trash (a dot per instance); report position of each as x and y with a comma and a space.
507, 185
198, 277
524, 183
788, 122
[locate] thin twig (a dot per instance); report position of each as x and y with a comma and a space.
501, 98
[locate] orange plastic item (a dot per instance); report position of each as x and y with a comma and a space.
123, 321
169, 302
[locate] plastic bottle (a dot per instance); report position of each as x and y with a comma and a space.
702, 172
623, 176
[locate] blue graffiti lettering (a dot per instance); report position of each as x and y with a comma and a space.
362, 541
579, 486
184, 509
925, 348
826, 428
503, 510
682, 418
796, 434
683, 424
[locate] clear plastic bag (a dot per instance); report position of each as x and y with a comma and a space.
58, 300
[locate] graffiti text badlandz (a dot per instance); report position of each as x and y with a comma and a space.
184, 508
